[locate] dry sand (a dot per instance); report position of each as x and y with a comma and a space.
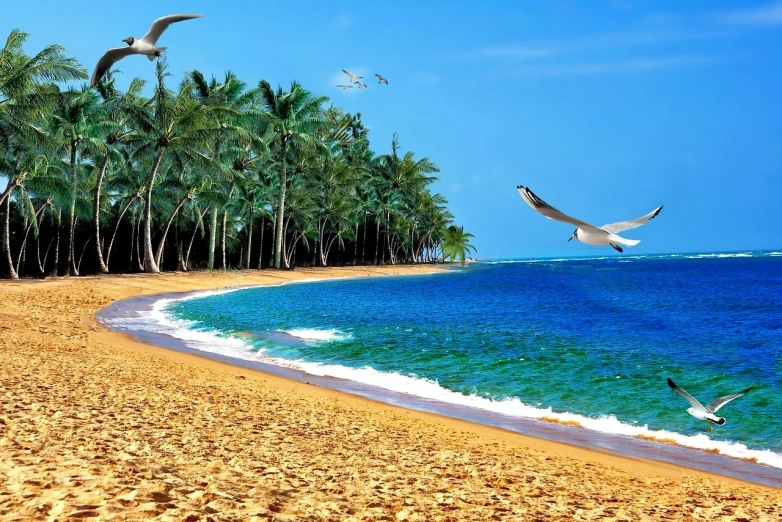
95, 425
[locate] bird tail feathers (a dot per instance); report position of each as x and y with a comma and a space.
623, 241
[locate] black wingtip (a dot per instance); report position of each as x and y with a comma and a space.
671, 383
519, 186
747, 390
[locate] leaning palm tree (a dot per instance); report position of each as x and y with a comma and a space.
115, 119
296, 119
173, 121
456, 243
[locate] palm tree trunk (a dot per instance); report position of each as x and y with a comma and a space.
249, 243
180, 260
260, 254
161, 244
72, 225
28, 226
198, 225
132, 243
7, 237
56, 268
281, 209
78, 265
377, 239
364, 242
355, 248
96, 214
149, 256
119, 220
222, 231
212, 240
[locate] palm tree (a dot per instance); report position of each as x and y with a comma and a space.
230, 94
115, 119
176, 121
295, 117
27, 91
75, 123
456, 243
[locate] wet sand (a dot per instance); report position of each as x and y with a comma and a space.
94, 424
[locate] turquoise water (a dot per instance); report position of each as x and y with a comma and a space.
591, 340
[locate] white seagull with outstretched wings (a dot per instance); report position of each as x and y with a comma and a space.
147, 45
701, 412
586, 233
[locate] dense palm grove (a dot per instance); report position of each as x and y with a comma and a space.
212, 174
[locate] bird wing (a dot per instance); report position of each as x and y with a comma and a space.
715, 405
107, 60
161, 24
547, 210
692, 400
613, 228
349, 75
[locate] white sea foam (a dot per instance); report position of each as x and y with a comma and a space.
775, 254
311, 334
160, 321
719, 256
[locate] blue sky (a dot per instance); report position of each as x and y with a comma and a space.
605, 109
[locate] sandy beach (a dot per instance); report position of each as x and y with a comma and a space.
95, 425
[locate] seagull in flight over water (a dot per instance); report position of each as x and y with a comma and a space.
701, 412
586, 233
146, 45
381, 79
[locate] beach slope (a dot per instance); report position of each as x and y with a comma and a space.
95, 424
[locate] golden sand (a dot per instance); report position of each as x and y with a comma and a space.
96, 426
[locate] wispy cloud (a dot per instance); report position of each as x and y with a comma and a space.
597, 42
342, 21
612, 67
767, 15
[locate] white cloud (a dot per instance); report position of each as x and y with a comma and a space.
766, 15
612, 67
597, 42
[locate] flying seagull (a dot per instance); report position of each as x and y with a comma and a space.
352, 77
146, 45
380, 79
361, 85
345, 86
586, 233
707, 412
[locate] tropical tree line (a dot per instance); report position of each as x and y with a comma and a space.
209, 174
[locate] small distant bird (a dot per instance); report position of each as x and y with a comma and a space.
146, 45
380, 79
345, 86
586, 233
707, 412
361, 85
352, 77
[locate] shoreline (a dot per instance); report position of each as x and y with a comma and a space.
548, 428
94, 421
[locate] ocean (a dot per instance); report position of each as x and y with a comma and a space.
575, 341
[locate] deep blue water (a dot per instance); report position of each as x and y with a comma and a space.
595, 338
